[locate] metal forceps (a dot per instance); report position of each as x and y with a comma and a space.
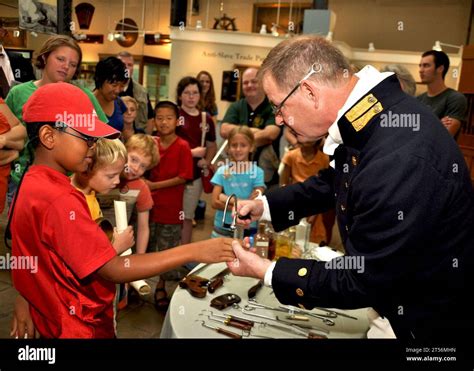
324, 318
220, 330
229, 322
252, 305
333, 314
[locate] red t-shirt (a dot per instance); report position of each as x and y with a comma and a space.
189, 128
176, 160
144, 199
5, 169
51, 223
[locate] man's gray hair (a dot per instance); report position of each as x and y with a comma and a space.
125, 54
404, 76
291, 60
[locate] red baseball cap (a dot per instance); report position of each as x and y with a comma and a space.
66, 105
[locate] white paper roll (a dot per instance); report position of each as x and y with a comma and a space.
141, 286
126, 252
121, 220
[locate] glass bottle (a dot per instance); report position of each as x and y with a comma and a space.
272, 240
283, 244
262, 241
303, 230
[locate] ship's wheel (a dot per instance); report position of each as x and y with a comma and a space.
225, 23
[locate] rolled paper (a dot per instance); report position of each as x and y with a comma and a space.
126, 252
203, 128
141, 287
219, 152
121, 220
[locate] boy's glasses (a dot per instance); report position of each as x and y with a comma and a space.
89, 140
315, 68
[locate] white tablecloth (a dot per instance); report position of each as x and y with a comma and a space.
183, 316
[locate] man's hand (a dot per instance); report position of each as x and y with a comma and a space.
254, 208
247, 263
22, 326
451, 124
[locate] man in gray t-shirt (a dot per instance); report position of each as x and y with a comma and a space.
448, 104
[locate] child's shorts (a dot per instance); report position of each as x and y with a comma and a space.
164, 237
191, 196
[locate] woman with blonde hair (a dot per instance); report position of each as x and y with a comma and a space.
59, 59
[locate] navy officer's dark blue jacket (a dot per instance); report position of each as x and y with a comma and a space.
404, 202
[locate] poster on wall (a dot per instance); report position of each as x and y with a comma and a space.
45, 16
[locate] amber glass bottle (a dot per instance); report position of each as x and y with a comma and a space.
262, 241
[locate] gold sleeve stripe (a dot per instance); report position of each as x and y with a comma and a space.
364, 119
361, 107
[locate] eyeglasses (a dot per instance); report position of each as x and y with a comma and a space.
315, 68
89, 140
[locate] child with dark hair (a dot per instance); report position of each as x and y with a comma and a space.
167, 183
111, 76
72, 290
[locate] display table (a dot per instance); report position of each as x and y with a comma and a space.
186, 314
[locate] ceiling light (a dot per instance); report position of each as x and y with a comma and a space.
437, 46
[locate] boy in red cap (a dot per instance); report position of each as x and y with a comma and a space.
71, 290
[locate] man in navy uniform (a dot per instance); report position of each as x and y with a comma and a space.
400, 186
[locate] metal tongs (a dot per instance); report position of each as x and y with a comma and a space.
220, 330
252, 304
288, 326
237, 228
230, 321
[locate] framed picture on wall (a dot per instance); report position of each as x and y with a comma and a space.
45, 16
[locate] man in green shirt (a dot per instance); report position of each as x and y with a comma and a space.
255, 111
